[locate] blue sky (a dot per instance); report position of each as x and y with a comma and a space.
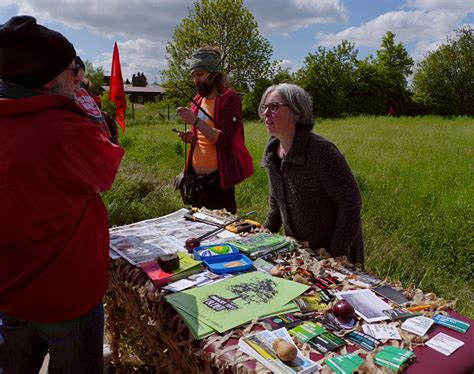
294, 28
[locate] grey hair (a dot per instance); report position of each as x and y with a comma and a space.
297, 99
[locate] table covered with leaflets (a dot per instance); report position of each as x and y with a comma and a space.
239, 299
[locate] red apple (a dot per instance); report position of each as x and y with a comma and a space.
343, 311
191, 244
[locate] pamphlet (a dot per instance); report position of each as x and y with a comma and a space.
344, 364
444, 343
417, 325
281, 320
391, 294
326, 342
307, 331
196, 280
238, 300
392, 357
310, 303
451, 323
363, 340
366, 304
380, 331
260, 347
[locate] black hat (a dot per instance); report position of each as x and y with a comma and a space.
30, 54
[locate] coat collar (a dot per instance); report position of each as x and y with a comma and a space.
296, 155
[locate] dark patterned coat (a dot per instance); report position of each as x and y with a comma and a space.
314, 194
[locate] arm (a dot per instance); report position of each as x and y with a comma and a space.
342, 188
273, 221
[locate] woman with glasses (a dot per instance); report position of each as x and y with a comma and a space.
313, 192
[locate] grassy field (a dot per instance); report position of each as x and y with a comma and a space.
416, 177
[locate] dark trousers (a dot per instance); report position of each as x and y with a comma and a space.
213, 196
75, 346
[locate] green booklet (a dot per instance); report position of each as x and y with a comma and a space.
344, 364
307, 331
199, 329
238, 300
259, 242
392, 357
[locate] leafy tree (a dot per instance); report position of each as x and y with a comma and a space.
444, 80
228, 25
328, 75
394, 65
95, 76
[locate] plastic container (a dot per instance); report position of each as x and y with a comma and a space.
228, 263
213, 250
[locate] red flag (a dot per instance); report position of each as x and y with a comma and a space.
116, 91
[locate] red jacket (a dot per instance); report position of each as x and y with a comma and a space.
54, 235
234, 160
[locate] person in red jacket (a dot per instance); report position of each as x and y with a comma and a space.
54, 238
218, 154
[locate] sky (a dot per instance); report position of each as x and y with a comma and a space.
294, 28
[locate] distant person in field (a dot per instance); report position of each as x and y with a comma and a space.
312, 190
92, 104
218, 154
391, 112
54, 232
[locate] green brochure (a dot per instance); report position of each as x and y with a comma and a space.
238, 300
344, 364
199, 329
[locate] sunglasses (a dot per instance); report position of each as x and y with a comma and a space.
75, 70
273, 106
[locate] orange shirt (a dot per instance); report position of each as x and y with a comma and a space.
205, 153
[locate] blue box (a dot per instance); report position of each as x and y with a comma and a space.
227, 263
213, 250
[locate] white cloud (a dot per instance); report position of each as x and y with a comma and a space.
285, 16
460, 6
288, 64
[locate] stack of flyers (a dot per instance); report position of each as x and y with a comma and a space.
325, 282
282, 320
310, 303
444, 343
261, 265
307, 331
327, 295
260, 347
392, 357
363, 340
391, 294
329, 322
364, 280
327, 342
417, 325
451, 323
345, 363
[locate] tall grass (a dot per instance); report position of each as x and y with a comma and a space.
416, 177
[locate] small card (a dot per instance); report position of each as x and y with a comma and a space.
391, 294
282, 320
417, 325
329, 322
451, 323
399, 313
307, 331
444, 343
363, 340
326, 342
262, 265
393, 357
344, 363
380, 331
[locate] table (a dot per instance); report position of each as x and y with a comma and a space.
147, 335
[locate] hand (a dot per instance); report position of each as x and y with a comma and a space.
187, 136
186, 115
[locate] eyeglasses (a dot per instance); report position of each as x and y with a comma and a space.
75, 70
273, 106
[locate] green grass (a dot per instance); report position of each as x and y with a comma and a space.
416, 177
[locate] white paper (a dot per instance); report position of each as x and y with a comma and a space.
366, 304
382, 331
417, 325
444, 343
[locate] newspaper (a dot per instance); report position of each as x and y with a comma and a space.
145, 240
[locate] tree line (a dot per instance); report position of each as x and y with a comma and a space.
340, 83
